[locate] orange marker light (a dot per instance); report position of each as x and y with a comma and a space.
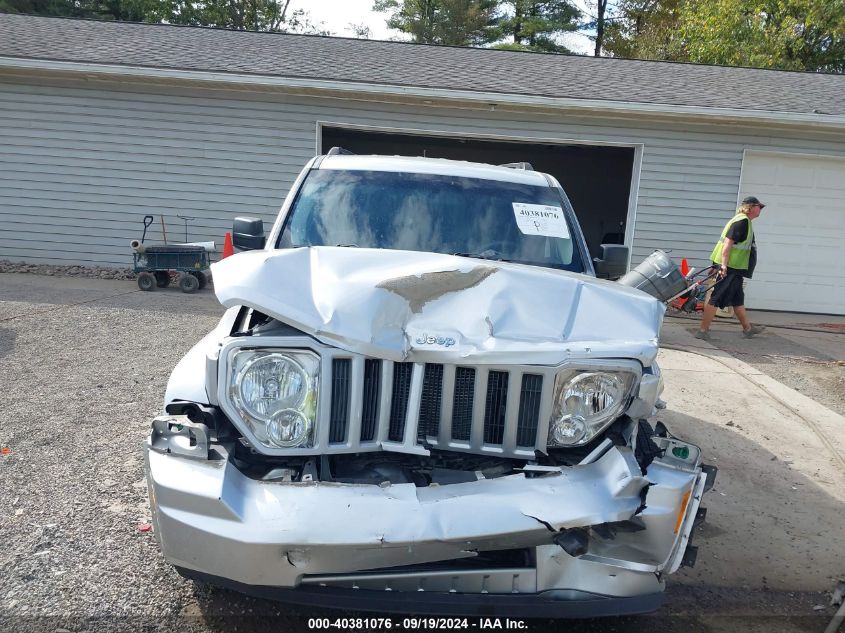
682, 512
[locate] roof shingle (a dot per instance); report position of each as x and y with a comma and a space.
414, 65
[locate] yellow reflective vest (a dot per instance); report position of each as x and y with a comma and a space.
740, 252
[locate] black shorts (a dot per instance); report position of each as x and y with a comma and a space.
728, 292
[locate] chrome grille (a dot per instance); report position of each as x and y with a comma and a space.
462, 404
402, 373
529, 409
495, 405
370, 399
431, 400
339, 414
367, 404
413, 406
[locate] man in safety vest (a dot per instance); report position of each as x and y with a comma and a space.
736, 256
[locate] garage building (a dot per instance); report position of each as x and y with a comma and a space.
103, 123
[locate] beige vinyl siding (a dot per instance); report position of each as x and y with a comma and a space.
82, 162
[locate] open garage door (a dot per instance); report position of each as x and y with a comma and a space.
597, 178
800, 234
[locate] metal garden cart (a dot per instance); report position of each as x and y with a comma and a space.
153, 264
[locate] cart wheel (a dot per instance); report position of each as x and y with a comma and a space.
146, 281
162, 278
188, 283
201, 278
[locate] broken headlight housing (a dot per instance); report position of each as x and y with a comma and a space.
585, 402
275, 392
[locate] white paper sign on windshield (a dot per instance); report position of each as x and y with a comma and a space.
540, 219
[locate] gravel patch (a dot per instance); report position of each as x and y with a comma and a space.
93, 272
73, 492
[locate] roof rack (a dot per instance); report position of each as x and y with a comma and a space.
339, 151
523, 166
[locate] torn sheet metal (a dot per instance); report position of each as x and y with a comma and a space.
405, 306
240, 528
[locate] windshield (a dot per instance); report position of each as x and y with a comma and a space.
453, 215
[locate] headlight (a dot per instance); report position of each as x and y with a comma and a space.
276, 395
585, 403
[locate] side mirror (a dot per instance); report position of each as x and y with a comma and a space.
248, 234
613, 262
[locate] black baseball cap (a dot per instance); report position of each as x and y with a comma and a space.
752, 200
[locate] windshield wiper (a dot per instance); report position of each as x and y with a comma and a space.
487, 257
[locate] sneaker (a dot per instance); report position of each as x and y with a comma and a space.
754, 330
704, 336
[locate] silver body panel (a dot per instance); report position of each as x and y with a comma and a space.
389, 304
212, 518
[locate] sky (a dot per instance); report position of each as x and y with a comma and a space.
337, 15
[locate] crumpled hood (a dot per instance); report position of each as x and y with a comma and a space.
426, 307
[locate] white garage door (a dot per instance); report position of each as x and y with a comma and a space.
800, 234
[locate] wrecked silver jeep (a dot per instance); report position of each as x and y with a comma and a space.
421, 399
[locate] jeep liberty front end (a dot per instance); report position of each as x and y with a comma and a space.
420, 399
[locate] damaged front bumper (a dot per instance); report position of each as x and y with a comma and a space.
592, 539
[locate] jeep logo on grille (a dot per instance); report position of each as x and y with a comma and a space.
445, 341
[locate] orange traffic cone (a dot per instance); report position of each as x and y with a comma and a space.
228, 249
681, 301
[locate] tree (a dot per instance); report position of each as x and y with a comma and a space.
787, 34
60, 8
596, 23
128, 10
360, 31
132, 10
253, 15
601, 13
448, 22
534, 25
245, 15
645, 29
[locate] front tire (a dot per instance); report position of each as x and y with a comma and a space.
201, 278
146, 281
188, 283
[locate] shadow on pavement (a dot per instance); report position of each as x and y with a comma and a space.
7, 341
54, 292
